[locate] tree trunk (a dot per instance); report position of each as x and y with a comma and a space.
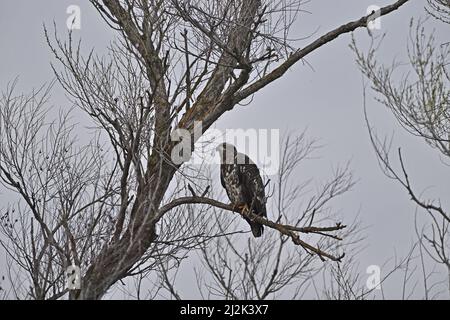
118, 258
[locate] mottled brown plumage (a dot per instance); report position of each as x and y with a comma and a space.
243, 183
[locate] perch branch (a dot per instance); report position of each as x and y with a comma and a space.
290, 231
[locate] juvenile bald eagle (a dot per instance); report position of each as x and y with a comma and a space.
243, 183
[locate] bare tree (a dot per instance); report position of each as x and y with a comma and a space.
176, 63
419, 100
69, 196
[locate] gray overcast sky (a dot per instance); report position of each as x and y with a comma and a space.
327, 100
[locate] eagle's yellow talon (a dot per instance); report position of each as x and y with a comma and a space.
243, 208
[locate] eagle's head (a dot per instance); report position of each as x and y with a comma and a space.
227, 152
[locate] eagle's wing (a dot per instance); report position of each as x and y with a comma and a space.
253, 189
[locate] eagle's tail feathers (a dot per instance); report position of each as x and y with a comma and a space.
257, 229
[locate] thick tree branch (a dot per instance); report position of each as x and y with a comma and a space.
301, 53
290, 231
